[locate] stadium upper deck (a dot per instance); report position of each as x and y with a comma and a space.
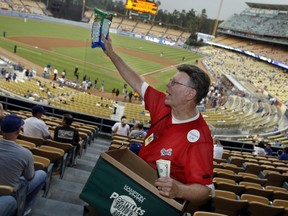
265, 22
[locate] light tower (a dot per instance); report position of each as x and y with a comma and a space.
217, 18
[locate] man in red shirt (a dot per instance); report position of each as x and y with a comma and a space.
178, 132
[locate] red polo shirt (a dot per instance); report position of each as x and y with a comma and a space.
188, 146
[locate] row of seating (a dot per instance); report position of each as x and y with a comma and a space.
227, 203
270, 192
48, 155
259, 73
86, 131
240, 114
123, 142
257, 47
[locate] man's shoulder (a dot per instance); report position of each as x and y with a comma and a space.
29, 119
116, 124
59, 127
25, 151
18, 149
33, 119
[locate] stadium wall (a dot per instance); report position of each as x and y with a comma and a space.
10, 102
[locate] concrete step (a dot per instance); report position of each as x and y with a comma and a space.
49, 207
63, 197
65, 191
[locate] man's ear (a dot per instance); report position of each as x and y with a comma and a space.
191, 94
18, 131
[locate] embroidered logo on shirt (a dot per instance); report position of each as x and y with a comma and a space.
193, 135
166, 152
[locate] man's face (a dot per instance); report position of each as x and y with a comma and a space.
179, 90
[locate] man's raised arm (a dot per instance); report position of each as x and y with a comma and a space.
127, 73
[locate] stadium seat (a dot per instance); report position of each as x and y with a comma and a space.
44, 164
229, 207
232, 167
275, 179
68, 148
250, 184
237, 189
203, 213
253, 168
280, 202
26, 144
255, 198
235, 177
259, 192
255, 180
257, 208
226, 194
36, 141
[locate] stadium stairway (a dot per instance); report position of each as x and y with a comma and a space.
63, 197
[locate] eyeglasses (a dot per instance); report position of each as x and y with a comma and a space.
173, 82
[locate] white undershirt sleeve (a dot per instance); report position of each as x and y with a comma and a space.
143, 89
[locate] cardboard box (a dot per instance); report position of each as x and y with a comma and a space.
121, 183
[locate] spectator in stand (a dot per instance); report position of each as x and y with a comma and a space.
84, 77
68, 134
121, 127
102, 86
260, 149
77, 76
63, 74
117, 93
95, 83
14, 76
268, 150
7, 76
76, 71
138, 131
55, 72
113, 92
35, 126
284, 155
45, 71
178, 132
130, 95
17, 162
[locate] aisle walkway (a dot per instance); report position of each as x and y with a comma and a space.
63, 197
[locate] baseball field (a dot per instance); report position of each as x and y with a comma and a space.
65, 47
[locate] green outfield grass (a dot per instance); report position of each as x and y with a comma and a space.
91, 62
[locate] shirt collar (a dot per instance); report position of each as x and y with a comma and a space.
177, 121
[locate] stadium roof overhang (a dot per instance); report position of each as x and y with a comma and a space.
268, 6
